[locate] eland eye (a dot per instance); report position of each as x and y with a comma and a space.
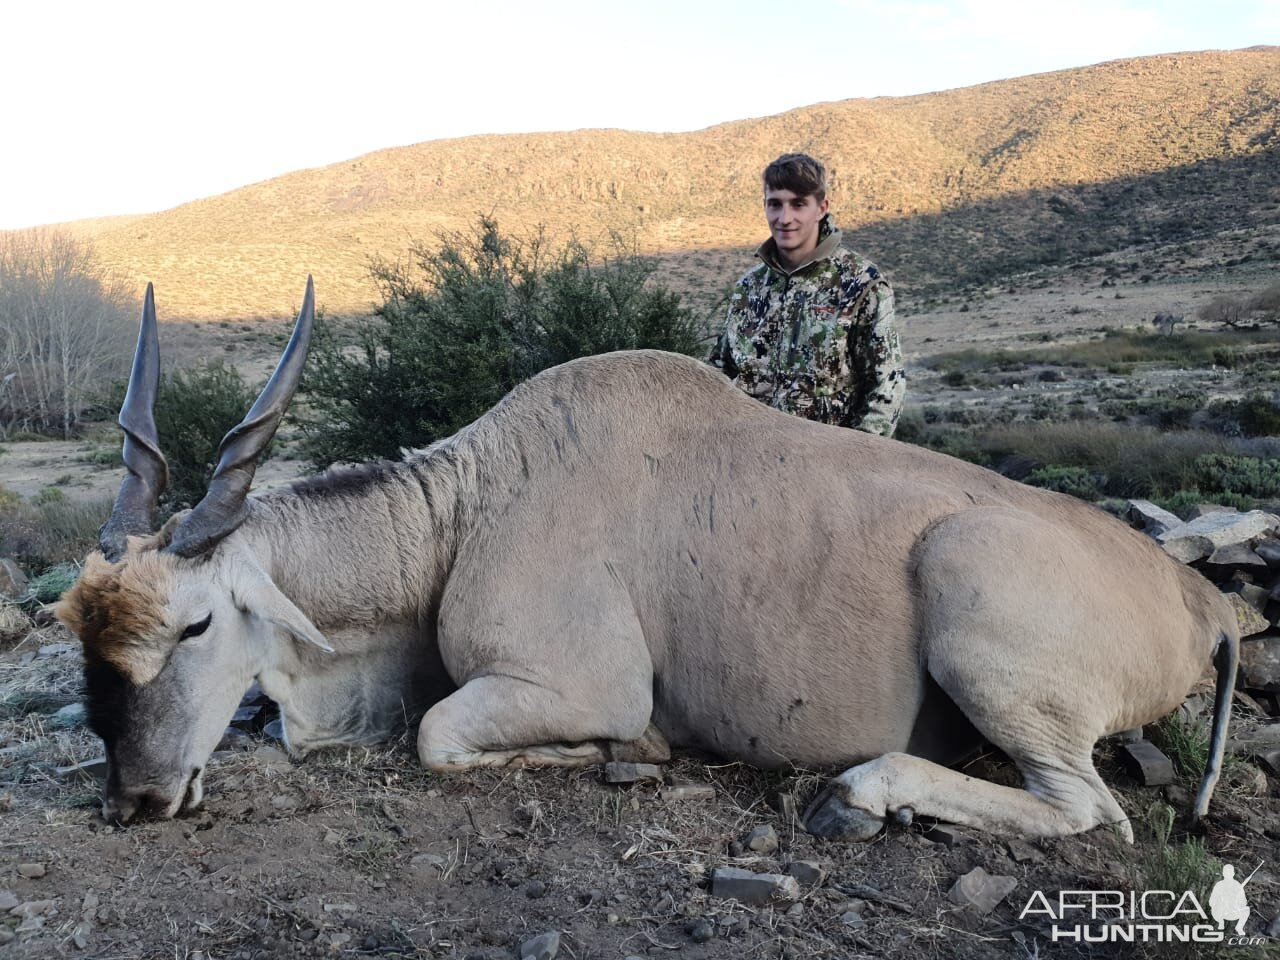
195, 629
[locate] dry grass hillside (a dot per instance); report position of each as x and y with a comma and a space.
947, 189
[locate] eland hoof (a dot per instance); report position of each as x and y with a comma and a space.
829, 816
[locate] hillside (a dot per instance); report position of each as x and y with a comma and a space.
947, 189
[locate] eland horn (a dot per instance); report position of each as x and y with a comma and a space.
223, 507
148, 473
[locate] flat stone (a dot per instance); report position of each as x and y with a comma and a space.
943, 833
981, 891
1201, 537
1023, 852
1144, 762
852, 918
1205, 509
753, 888
1150, 519
1251, 622
542, 947
808, 872
1268, 549
92, 769
1252, 594
761, 839
8, 900
1251, 740
72, 715
32, 908
32, 871
274, 729
1237, 556
1260, 663
619, 772
57, 650
689, 791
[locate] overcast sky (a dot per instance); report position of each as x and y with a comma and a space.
129, 107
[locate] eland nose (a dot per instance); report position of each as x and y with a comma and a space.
120, 806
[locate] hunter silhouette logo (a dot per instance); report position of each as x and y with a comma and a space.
1227, 901
1148, 916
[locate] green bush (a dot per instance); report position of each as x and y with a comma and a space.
1246, 476
1077, 481
467, 323
1254, 416
194, 409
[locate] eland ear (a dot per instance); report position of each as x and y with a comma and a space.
256, 592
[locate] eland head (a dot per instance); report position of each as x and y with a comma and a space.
176, 623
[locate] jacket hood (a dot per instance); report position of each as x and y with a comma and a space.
829, 238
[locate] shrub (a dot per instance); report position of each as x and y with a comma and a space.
1076, 481
1254, 416
475, 317
1246, 476
40, 533
194, 409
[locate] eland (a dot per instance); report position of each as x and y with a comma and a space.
628, 553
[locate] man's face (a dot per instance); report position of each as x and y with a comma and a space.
793, 222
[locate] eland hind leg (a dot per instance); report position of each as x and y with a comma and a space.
1002, 623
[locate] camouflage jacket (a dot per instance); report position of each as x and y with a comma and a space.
819, 341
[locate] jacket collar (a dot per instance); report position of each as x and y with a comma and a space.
829, 237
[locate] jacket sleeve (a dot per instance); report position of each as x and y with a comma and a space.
722, 353
875, 361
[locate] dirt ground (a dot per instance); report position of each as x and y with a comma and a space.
361, 853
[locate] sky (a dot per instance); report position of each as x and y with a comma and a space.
131, 107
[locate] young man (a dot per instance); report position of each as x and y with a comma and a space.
810, 331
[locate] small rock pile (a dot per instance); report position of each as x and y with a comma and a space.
1240, 553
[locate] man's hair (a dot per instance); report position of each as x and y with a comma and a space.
799, 173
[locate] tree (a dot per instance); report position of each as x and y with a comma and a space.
65, 326
465, 323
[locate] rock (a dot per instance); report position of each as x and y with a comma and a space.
234, 739
32, 908
1252, 594
274, 730
535, 889
1022, 852
72, 715
13, 582
89, 770
1150, 519
246, 717
852, 918
1206, 509
808, 872
689, 791
1273, 928
700, 930
761, 839
272, 758
618, 772
753, 888
980, 890
542, 947
32, 871
1252, 740
943, 833
1270, 762
1144, 762
1250, 620
1234, 558
8, 900
1260, 663
341, 907
1268, 548
48, 650
1199, 538
6, 936
422, 861
284, 803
